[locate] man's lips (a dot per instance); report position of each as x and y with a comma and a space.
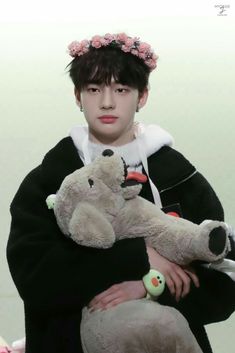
108, 119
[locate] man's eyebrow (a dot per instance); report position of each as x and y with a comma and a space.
92, 82
112, 83
120, 83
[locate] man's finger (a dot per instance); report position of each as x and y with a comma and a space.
170, 285
193, 277
103, 294
178, 283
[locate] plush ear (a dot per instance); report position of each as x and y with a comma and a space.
89, 227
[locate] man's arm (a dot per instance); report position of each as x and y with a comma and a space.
50, 271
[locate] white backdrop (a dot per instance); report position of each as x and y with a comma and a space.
192, 96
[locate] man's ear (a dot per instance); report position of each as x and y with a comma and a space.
77, 94
143, 97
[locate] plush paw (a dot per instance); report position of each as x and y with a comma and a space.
231, 236
217, 240
217, 243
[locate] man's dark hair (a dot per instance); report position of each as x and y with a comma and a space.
101, 65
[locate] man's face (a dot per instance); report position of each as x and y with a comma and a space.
109, 111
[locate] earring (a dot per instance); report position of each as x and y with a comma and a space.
79, 105
137, 109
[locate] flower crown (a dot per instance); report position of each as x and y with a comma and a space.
127, 44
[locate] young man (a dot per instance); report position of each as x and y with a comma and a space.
55, 277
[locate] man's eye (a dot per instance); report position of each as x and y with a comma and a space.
92, 89
122, 90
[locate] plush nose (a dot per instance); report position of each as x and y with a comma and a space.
107, 153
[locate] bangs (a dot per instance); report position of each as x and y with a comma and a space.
100, 74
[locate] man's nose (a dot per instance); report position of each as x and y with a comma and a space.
107, 99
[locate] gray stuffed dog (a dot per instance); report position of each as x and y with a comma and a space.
99, 204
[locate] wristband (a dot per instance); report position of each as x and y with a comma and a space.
154, 283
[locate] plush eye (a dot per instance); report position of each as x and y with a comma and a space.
91, 182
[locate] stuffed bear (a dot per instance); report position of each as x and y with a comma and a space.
99, 204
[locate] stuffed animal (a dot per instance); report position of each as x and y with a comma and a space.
17, 346
99, 204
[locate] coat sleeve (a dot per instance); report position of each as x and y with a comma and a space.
214, 300
50, 271
197, 199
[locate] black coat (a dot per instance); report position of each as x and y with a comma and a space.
56, 277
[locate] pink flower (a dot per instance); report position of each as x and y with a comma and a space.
142, 56
134, 52
85, 43
78, 48
155, 57
83, 47
96, 38
125, 49
109, 37
105, 43
73, 48
151, 64
96, 41
96, 44
83, 51
122, 37
129, 42
144, 47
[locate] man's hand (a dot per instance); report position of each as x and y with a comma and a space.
118, 293
178, 279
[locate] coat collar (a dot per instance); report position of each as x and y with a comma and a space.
167, 167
